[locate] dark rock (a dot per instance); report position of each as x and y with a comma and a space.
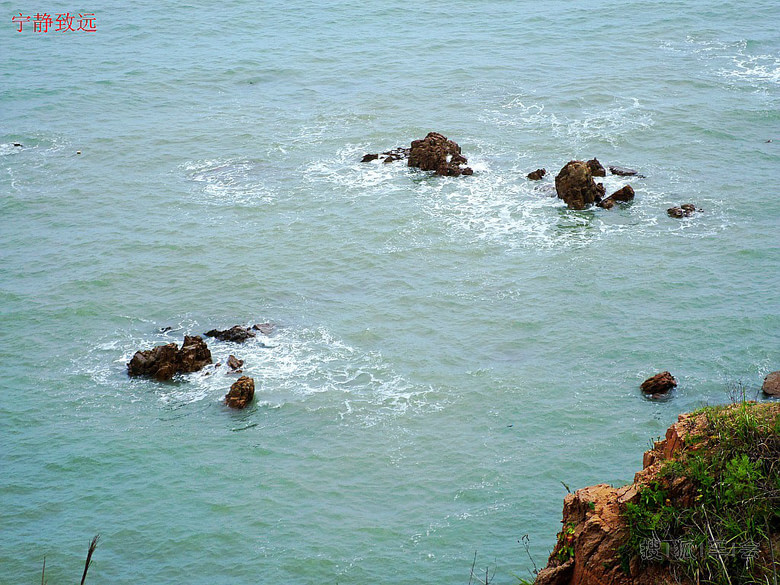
18, 145
165, 329
388, 156
264, 328
236, 334
241, 393
537, 174
771, 386
659, 383
575, 185
165, 361
596, 168
623, 195
437, 153
622, 171
685, 210
234, 363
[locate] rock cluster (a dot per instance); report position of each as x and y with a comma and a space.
241, 393
575, 185
165, 361
435, 153
685, 210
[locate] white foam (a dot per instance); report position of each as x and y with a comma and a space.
237, 182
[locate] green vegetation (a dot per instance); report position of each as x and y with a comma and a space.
714, 511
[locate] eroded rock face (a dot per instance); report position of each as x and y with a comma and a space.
241, 393
771, 385
596, 168
537, 174
659, 383
236, 334
575, 185
165, 361
437, 153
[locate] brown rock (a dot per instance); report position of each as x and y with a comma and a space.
369, 157
537, 174
234, 363
165, 361
387, 156
659, 383
771, 385
241, 393
685, 210
675, 212
596, 168
236, 334
623, 195
575, 185
437, 153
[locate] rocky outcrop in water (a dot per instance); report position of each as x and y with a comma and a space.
234, 363
537, 174
236, 334
165, 361
623, 195
771, 386
388, 156
685, 210
575, 185
658, 384
241, 393
624, 172
437, 153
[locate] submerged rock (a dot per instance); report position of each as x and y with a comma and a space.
165, 361
596, 168
388, 156
537, 174
659, 383
241, 393
623, 171
574, 184
771, 386
236, 334
264, 328
437, 153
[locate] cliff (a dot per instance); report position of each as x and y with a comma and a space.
705, 508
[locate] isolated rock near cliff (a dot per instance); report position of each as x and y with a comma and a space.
575, 185
165, 361
771, 386
537, 174
437, 153
658, 384
241, 393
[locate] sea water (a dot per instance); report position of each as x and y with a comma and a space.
447, 353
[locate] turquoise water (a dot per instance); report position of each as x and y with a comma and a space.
447, 350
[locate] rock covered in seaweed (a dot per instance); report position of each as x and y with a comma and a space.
241, 392
165, 361
437, 153
575, 185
